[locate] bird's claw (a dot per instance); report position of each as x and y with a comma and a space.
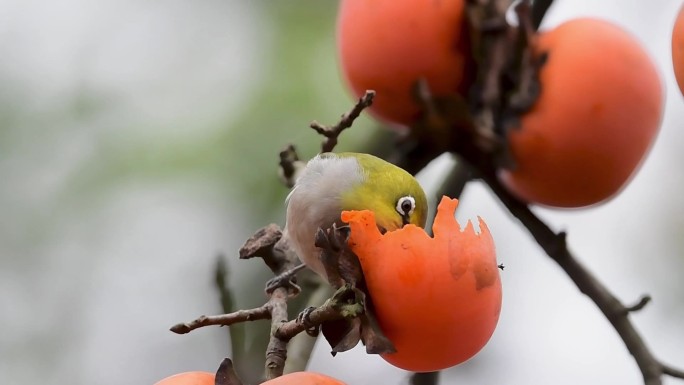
304, 318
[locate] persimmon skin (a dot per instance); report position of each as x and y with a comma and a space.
189, 378
297, 378
304, 378
678, 49
598, 113
437, 298
388, 45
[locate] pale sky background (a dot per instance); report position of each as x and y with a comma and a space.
130, 156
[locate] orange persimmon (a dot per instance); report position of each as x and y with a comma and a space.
189, 378
678, 49
389, 45
598, 113
437, 298
304, 378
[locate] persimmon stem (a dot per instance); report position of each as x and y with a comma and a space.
226, 375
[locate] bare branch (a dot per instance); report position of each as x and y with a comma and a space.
223, 319
301, 346
639, 305
276, 352
331, 310
617, 314
331, 133
673, 372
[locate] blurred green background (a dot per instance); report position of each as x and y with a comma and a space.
140, 139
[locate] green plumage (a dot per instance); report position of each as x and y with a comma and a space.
384, 184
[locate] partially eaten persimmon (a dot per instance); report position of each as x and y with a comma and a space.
437, 298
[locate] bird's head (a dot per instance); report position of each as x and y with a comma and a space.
394, 195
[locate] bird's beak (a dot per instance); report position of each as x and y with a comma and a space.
405, 220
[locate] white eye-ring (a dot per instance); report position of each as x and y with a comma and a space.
406, 205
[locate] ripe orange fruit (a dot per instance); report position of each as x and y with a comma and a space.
189, 378
388, 45
678, 49
297, 378
598, 113
304, 378
437, 298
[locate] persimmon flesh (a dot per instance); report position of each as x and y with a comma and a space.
437, 298
304, 378
389, 45
189, 378
678, 49
598, 113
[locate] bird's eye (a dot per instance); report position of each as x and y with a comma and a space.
406, 205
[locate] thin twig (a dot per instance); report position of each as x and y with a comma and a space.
259, 313
331, 133
639, 305
674, 372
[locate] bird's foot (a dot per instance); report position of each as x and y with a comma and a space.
304, 318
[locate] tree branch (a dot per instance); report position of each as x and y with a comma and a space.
331, 133
262, 312
645, 300
673, 372
268, 244
301, 346
617, 314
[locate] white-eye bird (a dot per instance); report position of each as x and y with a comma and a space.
331, 183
